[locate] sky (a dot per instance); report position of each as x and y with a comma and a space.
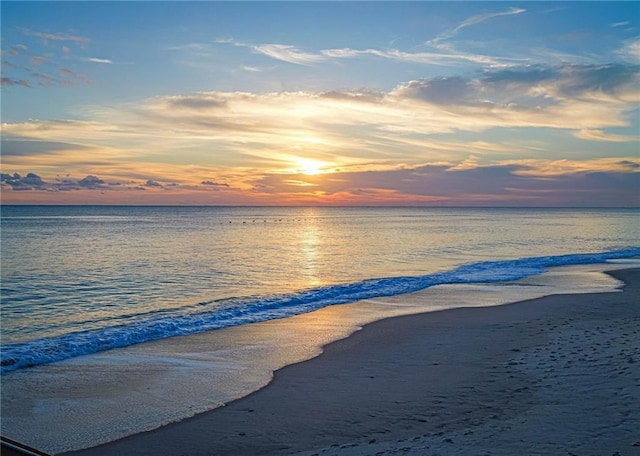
321, 103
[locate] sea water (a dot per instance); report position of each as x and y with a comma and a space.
78, 282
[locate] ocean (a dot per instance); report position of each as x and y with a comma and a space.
80, 281
77, 280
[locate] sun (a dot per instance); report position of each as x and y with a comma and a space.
309, 167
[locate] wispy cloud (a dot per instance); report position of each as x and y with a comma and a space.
620, 24
46, 64
283, 52
430, 58
443, 51
224, 40
439, 41
57, 36
599, 135
554, 168
288, 53
32, 78
292, 54
37, 60
256, 69
478, 19
97, 60
197, 49
631, 51
15, 82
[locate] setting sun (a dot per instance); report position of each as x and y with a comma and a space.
309, 167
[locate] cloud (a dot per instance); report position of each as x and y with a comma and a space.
54, 130
443, 54
43, 79
427, 58
292, 54
629, 164
153, 184
531, 87
96, 60
49, 73
118, 189
443, 91
541, 168
15, 82
224, 40
17, 182
631, 51
21, 147
7, 64
198, 101
443, 43
283, 52
92, 182
529, 95
57, 36
443, 49
362, 95
599, 135
533, 182
614, 80
29, 67
480, 18
255, 69
287, 53
620, 24
351, 126
67, 77
214, 184
197, 47
454, 185
256, 140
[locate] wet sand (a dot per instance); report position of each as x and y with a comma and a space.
554, 375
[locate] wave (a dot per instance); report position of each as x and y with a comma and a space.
237, 311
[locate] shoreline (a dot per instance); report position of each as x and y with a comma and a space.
453, 380
91, 400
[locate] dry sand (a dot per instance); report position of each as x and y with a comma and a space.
558, 375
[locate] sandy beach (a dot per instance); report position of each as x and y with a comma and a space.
554, 375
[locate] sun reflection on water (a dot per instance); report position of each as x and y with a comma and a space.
310, 245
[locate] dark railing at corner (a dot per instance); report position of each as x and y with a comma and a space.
11, 447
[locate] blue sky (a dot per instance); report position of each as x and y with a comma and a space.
321, 103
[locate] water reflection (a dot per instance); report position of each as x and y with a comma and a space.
310, 246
